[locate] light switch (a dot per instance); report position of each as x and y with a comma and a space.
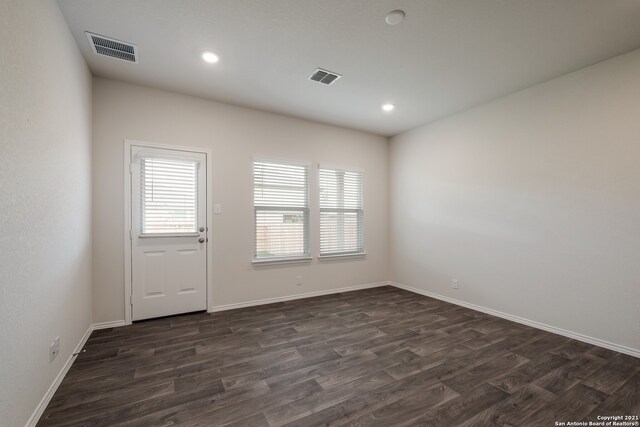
217, 209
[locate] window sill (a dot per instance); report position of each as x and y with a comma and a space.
272, 261
340, 256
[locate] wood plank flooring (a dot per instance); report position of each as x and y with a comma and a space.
382, 356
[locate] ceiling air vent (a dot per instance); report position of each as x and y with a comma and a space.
324, 76
113, 48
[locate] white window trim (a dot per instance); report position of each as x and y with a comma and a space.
341, 168
305, 258
343, 255
281, 260
137, 160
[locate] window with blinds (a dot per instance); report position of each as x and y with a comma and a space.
341, 212
168, 196
281, 210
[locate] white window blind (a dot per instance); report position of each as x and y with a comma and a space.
281, 210
168, 196
341, 212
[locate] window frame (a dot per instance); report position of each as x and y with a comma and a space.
138, 160
359, 252
306, 255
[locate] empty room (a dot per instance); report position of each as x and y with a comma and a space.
313, 213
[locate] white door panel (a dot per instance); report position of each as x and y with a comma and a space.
169, 231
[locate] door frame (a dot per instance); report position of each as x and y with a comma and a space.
126, 232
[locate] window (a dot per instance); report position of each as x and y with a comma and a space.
341, 212
168, 196
281, 210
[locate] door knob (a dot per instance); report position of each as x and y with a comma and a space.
201, 240
201, 229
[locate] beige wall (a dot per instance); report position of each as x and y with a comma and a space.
45, 201
125, 111
532, 202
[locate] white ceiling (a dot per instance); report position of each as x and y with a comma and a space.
447, 55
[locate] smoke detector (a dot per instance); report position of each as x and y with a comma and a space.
394, 17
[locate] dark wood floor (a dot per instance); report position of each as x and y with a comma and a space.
375, 357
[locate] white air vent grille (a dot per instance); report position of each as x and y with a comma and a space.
113, 48
324, 76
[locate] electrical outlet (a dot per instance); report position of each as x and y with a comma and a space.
299, 281
54, 349
454, 283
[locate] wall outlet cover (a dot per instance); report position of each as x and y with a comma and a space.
54, 349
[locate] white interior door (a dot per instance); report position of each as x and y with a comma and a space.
168, 232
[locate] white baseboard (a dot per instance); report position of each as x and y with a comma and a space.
580, 337
294, 297
35, 417
105, 325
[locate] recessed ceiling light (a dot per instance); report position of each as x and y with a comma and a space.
388, 107
394, 17
210, 57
